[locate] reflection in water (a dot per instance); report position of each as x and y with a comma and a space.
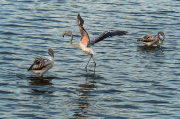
151, 51
84, 93
152, 56
155, 53
151, 48
41, 91
43, 81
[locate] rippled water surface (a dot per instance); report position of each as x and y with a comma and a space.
131, 80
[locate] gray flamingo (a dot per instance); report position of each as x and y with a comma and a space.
150, 39
42, 64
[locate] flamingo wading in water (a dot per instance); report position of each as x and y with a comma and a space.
150, 39
42, 64
85, 42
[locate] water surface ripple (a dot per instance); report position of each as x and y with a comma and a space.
131, 80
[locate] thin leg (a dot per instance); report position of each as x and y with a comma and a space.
94, 64
88, 63
41, 76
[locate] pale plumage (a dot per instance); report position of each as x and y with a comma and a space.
150, 39
85, 42
42, 64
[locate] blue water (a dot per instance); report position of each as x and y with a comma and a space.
132, 81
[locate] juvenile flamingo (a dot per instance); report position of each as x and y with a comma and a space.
85, 42
42, 64
150, 39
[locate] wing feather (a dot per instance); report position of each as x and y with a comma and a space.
106, 34
148, 38
39, 63
84, 35
79, 21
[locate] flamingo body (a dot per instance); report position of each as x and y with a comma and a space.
36, 69
89, 51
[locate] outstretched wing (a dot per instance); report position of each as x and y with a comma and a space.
39, 63
106, 34
84, 35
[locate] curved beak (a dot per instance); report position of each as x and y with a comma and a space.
63, 34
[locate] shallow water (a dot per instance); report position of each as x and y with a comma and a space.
131, 80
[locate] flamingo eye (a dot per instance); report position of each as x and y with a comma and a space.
37, 61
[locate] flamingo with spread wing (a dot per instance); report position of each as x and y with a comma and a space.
85, 42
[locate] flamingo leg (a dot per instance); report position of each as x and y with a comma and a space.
88, 63
94, 64
40, 75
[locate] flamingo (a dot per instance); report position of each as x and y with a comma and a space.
42, 64
150, 39
85, 42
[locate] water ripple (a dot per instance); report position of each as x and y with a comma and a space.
131, 80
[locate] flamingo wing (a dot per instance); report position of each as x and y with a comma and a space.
148, 38
79, 21
84, 35
39, 63
106, 34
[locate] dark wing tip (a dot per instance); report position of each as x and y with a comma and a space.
117, 32
30, 67
123, 33
79, 21
78, 16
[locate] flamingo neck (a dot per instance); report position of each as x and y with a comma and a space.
76, 46
160, 39
52, 59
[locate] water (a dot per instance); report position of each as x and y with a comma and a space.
131, 81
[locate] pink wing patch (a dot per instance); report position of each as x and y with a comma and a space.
85, 40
